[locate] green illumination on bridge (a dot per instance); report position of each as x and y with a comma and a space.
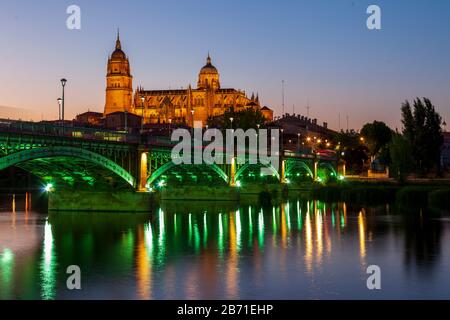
162, 184
75, 162
49, 187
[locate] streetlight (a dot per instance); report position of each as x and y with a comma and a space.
298, 142
231, 119
63, 83
59, 108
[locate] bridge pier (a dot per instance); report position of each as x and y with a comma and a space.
233, 172
283, 172
143, 170
316, 169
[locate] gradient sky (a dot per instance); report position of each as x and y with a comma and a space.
322, 49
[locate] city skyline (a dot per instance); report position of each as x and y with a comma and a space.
325, 54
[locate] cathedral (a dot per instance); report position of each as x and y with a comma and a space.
181, 106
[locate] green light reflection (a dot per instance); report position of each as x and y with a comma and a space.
220, 240
261, 229
6, 272
238, 230
48, 265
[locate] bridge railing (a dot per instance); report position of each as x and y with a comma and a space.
165, 142
67, 131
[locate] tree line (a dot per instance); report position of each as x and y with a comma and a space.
416, 149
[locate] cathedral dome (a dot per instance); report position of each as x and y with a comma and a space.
118, 54
209, 68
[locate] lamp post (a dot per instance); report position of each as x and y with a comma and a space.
298, 142
59, 109
231, 120
63, 83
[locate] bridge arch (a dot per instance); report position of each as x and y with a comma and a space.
60, 151
245, 167
170, 166
329, 167
298, 165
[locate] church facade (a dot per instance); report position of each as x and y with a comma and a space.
182, 106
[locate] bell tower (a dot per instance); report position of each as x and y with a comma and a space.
119, 82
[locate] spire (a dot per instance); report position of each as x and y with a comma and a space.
208, 60
118, 44
257, 98
253, 96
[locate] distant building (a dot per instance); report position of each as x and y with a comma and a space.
446, 151
267, 113
122, 120
90, 118
182, 106
298, 124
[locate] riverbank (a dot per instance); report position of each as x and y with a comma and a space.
433, 195
423, 195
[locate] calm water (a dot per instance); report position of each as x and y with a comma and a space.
298, 250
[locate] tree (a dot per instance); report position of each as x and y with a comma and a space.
377, 136
245, 119
401, 157
422, 129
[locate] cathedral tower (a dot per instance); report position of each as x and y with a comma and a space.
119, 82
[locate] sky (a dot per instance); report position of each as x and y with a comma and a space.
322, 49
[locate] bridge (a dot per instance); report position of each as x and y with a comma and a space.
97, 159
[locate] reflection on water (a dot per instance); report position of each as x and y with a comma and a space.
48, 265
299, 249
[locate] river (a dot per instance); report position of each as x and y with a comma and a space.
200, 250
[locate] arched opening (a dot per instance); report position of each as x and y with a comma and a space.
326, 172
185, 175
70, 167
298, 172
257, 173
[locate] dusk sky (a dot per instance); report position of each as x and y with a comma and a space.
322, 49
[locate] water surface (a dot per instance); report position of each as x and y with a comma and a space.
198, 250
